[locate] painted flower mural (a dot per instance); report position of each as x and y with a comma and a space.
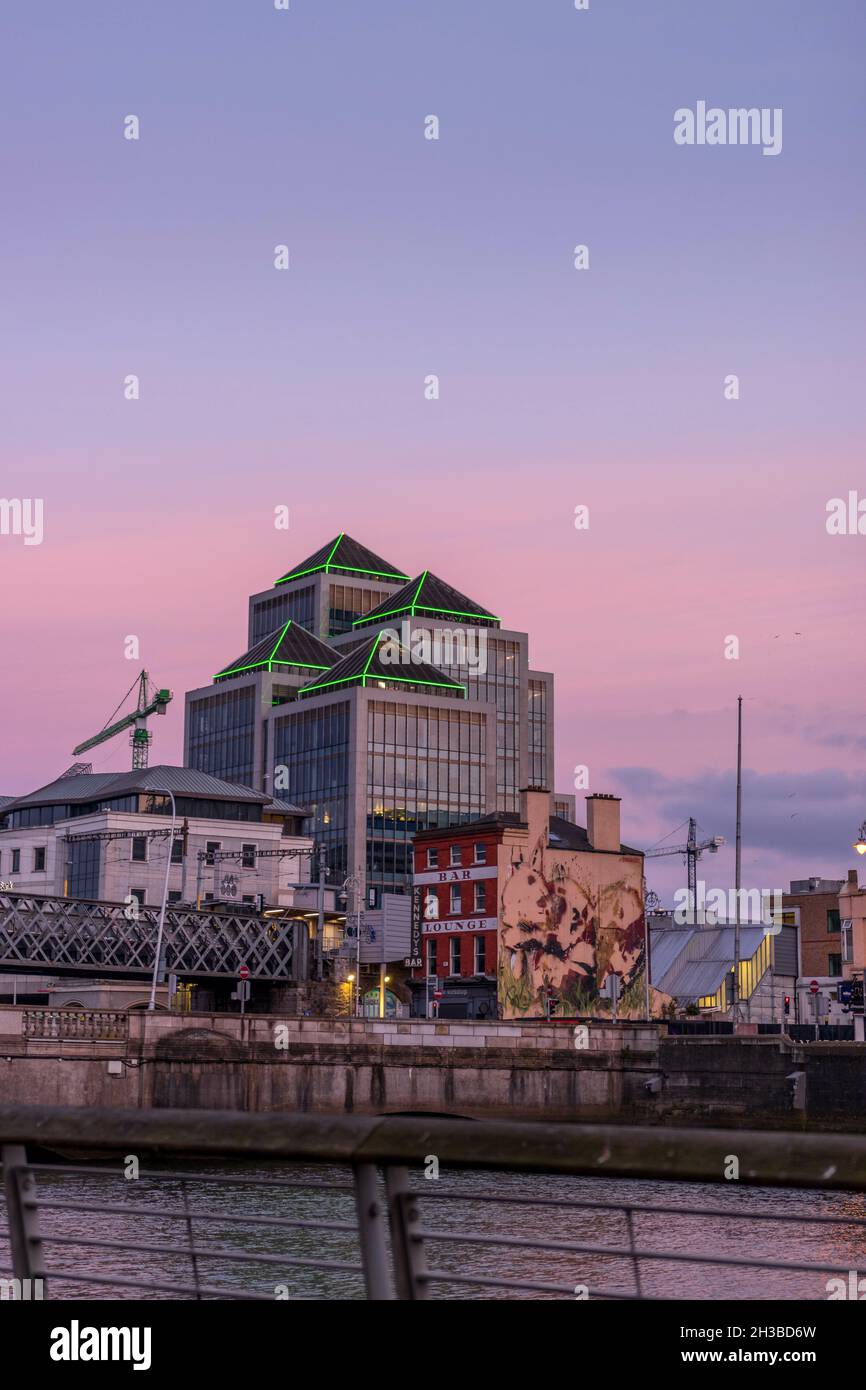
566, 928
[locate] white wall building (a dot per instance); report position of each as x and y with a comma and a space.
106, 837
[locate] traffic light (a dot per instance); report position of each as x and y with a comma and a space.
787, 1005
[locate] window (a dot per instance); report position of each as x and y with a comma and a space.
139, 849
247, 898
16, 861
834, 965
174, 897
455, 906
212, 847
248, 857
431, 955
480, 854
833, 923
177, 851
432, 859
456, 857
39, 861
480, 897
139, 894
480, 955
455, 955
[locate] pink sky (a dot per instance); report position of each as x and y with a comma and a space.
558, 387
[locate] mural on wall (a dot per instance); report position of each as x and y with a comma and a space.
565, 928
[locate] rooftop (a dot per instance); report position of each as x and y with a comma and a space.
804, 886
290, 645
382, 659
107, 786
691, 963
562, 834
429, 594
345, 555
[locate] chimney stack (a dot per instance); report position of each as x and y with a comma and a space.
602, 822
535, 810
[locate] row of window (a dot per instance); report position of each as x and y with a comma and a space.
455, 955
140, 895
139, 852
348, 602
271, 613
455, 856
479, 898
38, 866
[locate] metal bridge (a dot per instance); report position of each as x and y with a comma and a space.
71, 936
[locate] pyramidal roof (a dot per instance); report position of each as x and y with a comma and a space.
105, 786
344, 555
285, 646
382, 659
426, 593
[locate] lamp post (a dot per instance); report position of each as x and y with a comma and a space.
860, 842
354, 882
152, 1004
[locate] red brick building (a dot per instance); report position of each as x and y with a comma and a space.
456, 894
816, 905
521, 913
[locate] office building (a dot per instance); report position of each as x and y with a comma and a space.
386, 703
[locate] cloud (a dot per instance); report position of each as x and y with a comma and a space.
810, 815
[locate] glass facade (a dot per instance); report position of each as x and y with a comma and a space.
83, 868
37, 815
500, 685
222, 734
271, 613
538, 734
347, 602
425, 769
202, 807
313, 746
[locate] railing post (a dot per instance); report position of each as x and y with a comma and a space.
371, 1234
410, 1265
24, 1239
629, 1221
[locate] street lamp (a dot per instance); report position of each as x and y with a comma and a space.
152, 1004
860, 842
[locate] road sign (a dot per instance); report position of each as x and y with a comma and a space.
244, 972
814, 987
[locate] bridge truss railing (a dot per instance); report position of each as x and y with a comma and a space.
75, 934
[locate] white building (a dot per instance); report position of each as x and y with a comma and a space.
106, 836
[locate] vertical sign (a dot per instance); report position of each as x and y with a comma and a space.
413, 960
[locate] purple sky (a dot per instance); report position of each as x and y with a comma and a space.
558, 387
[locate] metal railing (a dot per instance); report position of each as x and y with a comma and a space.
367, 1224
77, 936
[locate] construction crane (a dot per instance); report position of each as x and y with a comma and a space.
692, 849
149, 701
